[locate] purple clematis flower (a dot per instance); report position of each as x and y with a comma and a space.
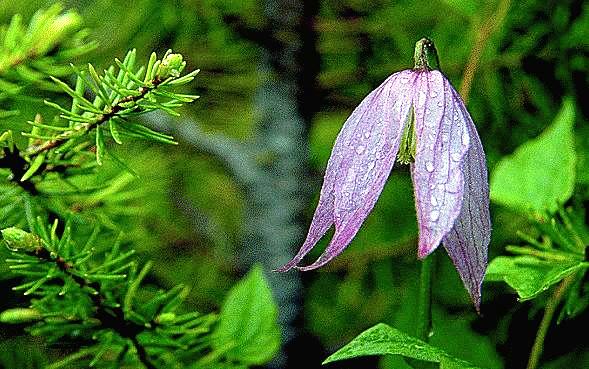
415, 116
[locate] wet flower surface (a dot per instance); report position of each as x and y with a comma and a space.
415, 116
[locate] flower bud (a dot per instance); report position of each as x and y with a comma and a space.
171, 66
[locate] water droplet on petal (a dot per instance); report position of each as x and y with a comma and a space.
360, 149
455, 156
422, 98
429, 166
465, 139
434, 200
366, 134
434, 215
445, 137
456, 116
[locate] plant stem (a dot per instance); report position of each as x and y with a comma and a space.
483, 35
424, 302
549, 311
424, 310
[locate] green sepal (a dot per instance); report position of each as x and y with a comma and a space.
408, 144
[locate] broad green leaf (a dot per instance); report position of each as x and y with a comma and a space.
540, 174
528, 275
248, 331
383, 339
451, 363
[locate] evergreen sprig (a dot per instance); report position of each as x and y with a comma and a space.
120, 94
80, 293
30, 53
85, 287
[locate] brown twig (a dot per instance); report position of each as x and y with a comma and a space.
100, 119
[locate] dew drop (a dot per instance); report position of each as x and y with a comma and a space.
456, 116
422, 98
434, 200
434, 215
445, 137
465, 139
455, 156
366, 134
429, 166
360, 149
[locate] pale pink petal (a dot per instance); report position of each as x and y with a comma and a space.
468, 241
442, 142
360, 162
368, 155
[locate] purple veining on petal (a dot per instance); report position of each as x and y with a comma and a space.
360, 162
363, 174
467, 243
442, 143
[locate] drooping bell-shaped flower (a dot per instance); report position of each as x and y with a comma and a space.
414, 117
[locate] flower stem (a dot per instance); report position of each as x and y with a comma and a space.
426, 55
424, 303
549, 311
424, 310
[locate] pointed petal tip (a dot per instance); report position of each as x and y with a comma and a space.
286, 267
424, 250
475, 296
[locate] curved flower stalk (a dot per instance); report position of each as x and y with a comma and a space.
414, 117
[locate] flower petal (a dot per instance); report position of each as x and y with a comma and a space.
324, 217
367, 157
468, 241
442, 142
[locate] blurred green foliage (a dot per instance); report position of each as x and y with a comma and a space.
190, 213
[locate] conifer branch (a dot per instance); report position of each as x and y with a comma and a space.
85, 128
30, 53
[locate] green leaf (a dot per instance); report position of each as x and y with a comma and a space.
451, 363
541, 173
383, 339
528, 275
248, 331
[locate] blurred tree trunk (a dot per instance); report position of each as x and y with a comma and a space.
286, 101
